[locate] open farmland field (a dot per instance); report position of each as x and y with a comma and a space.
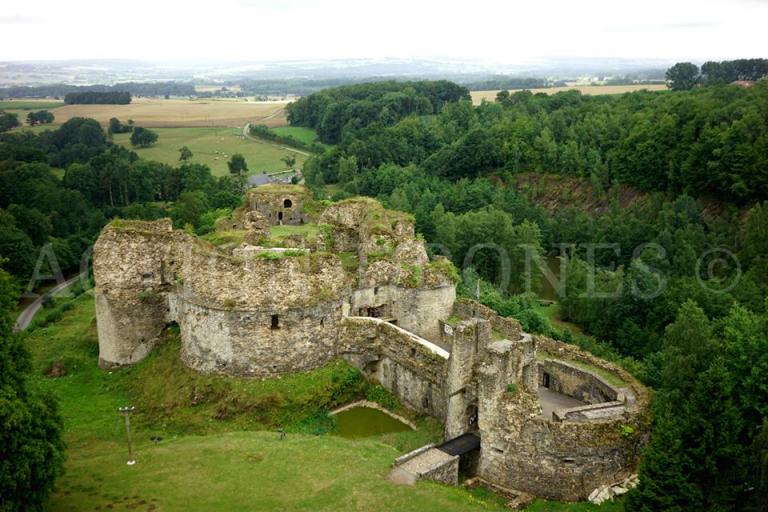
209, 146
22, 107
158, 113
16, 105
479, 96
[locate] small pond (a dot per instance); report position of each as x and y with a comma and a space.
365, 422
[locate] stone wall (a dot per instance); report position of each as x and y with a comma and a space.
564, 460
135, 265
410, 367
256, 343
242, 316
635, 394
418, 310
445, 472
570, 380
280, 204
468, 308
470, 339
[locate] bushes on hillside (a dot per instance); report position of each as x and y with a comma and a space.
30, 424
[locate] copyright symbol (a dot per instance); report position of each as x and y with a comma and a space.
715, 263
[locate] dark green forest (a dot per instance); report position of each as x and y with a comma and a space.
98, 98
333, 112
673, 281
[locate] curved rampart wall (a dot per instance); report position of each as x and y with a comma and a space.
575, 382
257, 343
564, 460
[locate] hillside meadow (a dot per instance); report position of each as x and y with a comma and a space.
213, 147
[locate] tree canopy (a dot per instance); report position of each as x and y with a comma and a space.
30, 424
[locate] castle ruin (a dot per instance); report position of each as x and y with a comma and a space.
287, 284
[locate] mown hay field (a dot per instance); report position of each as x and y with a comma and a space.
159, 113
479, 96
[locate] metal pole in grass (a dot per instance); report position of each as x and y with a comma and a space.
126, 412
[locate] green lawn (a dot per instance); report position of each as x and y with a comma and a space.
231, 466
19, 105
305, 230
209, 146
552, 312
300, 133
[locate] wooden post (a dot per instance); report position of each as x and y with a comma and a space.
126, 412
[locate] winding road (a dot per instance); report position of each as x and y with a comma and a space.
26, 316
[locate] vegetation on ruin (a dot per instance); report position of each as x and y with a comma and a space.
230, 237
219, 429
610, 377
308, 231
279, 255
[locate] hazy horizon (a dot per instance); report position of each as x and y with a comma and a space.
488, 32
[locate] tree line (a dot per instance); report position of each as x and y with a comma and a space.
98, 98
100, 180
686, 75
135, 88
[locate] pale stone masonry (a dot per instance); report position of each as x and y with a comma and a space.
362, 288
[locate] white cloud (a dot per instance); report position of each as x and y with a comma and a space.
491, 30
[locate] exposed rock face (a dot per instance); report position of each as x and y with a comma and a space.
610, 491
256, 225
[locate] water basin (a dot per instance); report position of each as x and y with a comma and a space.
362, 421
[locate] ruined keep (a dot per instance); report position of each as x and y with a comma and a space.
352, 280
280, 204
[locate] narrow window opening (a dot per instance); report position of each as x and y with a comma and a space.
279, 215
275, 322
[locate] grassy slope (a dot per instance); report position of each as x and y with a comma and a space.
223, 470
205, 142
300, 133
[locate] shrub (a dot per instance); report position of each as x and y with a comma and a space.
378, 394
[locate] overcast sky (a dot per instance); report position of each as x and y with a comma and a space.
505, 31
